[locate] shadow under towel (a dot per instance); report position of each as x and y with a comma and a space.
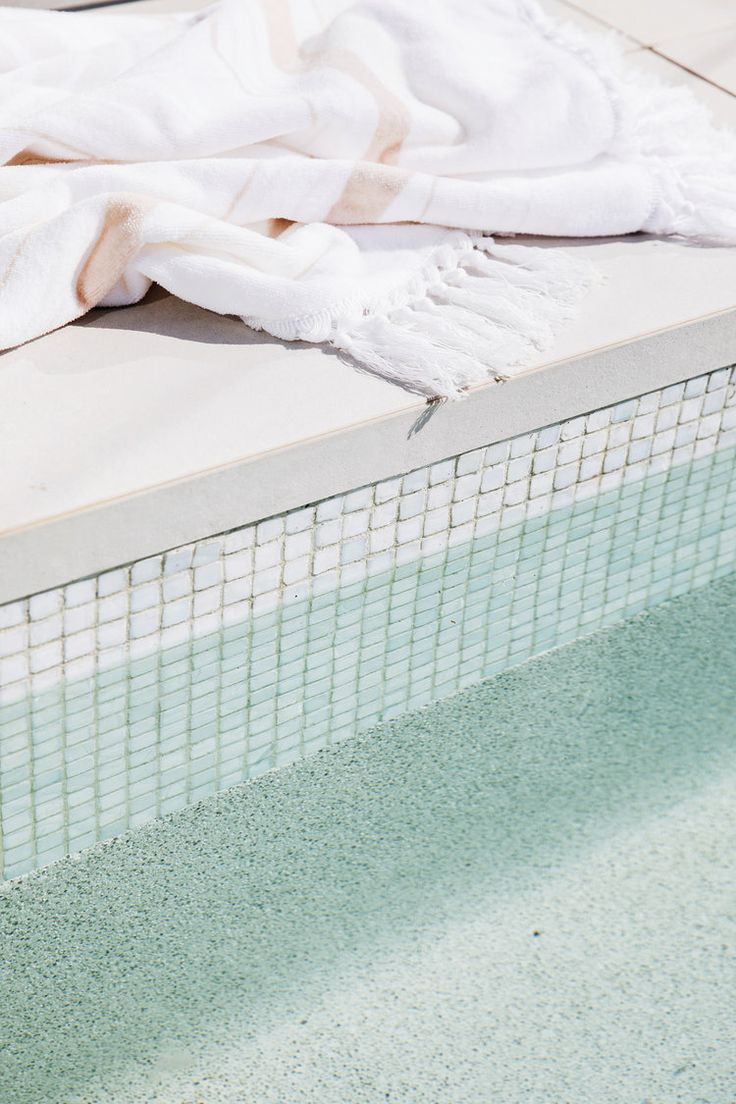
349, 179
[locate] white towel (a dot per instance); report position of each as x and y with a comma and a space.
332, 172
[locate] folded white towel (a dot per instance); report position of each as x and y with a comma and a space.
330, 173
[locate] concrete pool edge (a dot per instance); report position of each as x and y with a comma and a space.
64, 548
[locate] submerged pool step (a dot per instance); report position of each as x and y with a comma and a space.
146, 688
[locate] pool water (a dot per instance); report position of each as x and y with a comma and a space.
524, 893
90, 757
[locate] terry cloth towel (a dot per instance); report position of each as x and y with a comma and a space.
332, 172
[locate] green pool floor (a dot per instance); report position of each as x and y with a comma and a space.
526, 893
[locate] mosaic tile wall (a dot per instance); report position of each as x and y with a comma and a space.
143, 689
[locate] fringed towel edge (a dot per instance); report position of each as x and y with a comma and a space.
478, 309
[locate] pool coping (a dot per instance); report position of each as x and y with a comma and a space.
72, 546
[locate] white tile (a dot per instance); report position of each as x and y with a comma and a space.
647, 404
595, 442
382, 539
565, 476
145, 623
574, 427
409, 531
614, 459
441, 473
469, 462
78, 593
591, 466
567, 452
269, 530
174, 587
110, 582
174, 613
206, 601
328, 532
686, 434
143, 597
296, 568
48, 655
415, 481
353, 524
708, 427
496, 454
48, 629
696, 386
690, 408
14, 668
266, 555
663, 442
112, 633
44, 605
79, 644
441, 495
462, 512
353, 550
178, 560
437, 521
12, 613
361, 499
541, 484
387, 489
467, 486
667, 418
13, 640
643, 426
330, 509
493, 478
206, 552
237, 590
639, 450
80, 617
385, 514
297, 520
544, 460
597, 420
410, 505
264, 581
514, 493
295, 546
325, 559
714, 401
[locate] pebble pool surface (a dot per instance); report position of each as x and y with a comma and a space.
526, 893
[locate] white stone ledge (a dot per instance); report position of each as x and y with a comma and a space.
57, 549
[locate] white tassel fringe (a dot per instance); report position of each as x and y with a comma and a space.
469, 323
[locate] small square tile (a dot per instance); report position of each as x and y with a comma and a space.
44, 605
111, 582
269, 530
415, 481
299, 520
469, 463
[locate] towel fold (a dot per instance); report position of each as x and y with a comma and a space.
338, 173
